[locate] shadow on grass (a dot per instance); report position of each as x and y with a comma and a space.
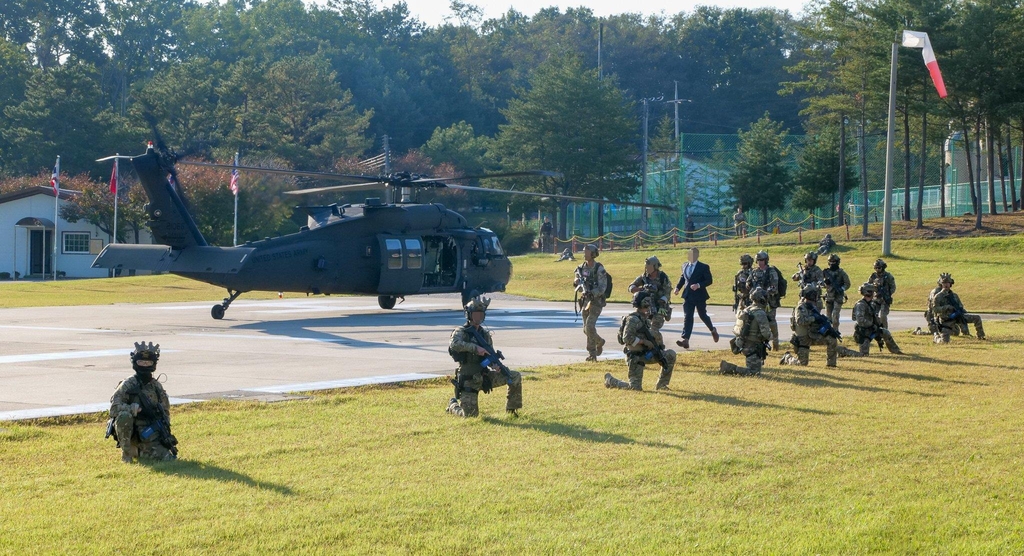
826, 381
576, 432
924, 378
200, 470
729, 400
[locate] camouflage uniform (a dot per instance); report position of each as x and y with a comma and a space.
806, 334
868, 327
636, 331
741, 293
769, 281
593, 280
661, 292
837, 283
752, 332
885, 284
472, 377
811, 274
951, 315
131, 421
929, 313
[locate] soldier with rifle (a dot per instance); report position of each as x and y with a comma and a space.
753, 336
950, 315
140, 418
885, 286
655, 282
740, 290
810, 274
810, 327
641, 348
770, 279
868, 327
480, 366
591, 281
837, 282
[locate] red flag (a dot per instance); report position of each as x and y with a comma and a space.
113, 179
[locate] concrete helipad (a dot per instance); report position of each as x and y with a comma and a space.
65, 360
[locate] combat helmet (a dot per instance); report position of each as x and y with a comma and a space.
833, 259
759, 296
880, 264
946, 277
652, 260
145, 356
591, 247
811, 256
867, 288
746, 259
762, 256
810, 292
478, 304
642, 299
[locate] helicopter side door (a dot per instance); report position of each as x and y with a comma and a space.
401, 270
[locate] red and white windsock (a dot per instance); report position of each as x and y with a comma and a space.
919, 39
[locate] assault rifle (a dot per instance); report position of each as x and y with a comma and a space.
655, 353
493, 358
824, 324
158, 424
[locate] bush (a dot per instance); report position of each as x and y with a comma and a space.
5, 275
518, 239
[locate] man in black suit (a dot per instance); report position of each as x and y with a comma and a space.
694, 284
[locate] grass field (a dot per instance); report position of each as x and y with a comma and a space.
905, 454
165, 288
985, 269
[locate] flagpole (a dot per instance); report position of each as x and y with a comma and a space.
117, 180
56, 201
889, 142
235, 228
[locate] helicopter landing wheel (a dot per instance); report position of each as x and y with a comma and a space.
217, 312
386, 301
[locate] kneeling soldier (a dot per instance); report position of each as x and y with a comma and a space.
868, 324
753, 333
950, 314
480, 367
810, 327
140, 418
641, 348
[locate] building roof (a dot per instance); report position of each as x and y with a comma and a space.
37, 190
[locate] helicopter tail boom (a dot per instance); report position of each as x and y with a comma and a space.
161, 258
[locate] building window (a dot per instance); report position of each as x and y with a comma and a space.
76, 242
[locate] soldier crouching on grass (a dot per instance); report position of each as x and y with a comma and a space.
480, 367
641, 347
140, 418
869, 325
753, 335
950, 315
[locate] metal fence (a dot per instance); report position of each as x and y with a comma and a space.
698, 183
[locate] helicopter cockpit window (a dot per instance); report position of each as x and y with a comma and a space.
414, 253
394, 247
495, 247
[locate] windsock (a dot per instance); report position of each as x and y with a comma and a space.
919, 39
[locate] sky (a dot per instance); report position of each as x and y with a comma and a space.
434, 12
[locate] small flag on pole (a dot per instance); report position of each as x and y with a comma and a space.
55, 178
113, 179
919, 39
234, 181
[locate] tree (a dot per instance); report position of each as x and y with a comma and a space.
571, 122
459, 146
815, 181
95, 205
761, 178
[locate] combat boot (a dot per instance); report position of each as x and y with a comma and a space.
728, 368
608, 380
775, 344
592, 357
600, 348
129, 453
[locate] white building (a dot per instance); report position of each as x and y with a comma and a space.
26, 237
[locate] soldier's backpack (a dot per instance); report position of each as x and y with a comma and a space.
783, 284
608, 288
622, 329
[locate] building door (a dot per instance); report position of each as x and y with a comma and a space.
40, 252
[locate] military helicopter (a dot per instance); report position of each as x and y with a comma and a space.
387, 249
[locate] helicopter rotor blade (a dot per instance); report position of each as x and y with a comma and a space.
530, 173
284, 172
343, 188
115, 157
566, 197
